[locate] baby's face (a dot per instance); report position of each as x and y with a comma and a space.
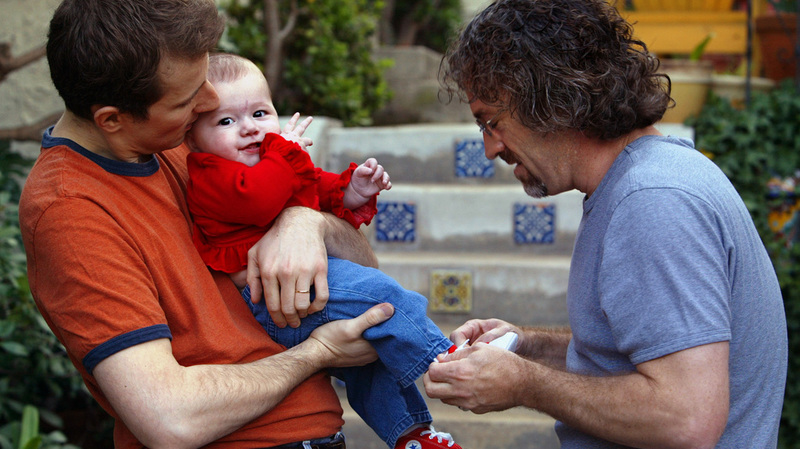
235, 129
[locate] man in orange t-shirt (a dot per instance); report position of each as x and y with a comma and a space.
166, 346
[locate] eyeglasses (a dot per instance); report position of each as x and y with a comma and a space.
488, 126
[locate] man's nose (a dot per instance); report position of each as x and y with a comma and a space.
492, 146
207, 98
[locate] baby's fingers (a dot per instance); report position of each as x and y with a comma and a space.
301, 128
293, 128
290, 124
377, 174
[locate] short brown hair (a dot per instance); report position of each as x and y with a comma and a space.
558, 64
107, 52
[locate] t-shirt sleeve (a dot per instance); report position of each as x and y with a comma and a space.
97, 290
663, 280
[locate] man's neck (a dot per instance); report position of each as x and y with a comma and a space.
86, 134
599, 155
83, 132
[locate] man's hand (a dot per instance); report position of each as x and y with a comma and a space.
476, 378
341, 342
286, 262
196, 405
482, 331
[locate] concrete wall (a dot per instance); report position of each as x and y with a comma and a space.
27, 95
471, 7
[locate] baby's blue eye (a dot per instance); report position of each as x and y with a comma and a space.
226, 121
260, 113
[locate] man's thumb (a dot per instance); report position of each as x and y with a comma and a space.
378, 314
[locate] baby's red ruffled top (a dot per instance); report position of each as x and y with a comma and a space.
233, 205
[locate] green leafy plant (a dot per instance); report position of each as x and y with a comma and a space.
25, 434
784, 5
329, 69
757, 147
420, 22
34, 368
700, 49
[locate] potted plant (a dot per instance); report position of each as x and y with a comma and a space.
732, 85
691, 80
777, 33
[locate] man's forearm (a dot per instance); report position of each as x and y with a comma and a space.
546, 345
677, 401
167, 405
345, 242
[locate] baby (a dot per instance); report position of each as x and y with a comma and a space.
243, 171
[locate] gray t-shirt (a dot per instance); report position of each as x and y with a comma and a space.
667, 258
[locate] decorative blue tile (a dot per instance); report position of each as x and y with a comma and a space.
534, 223
396, 222
471, 161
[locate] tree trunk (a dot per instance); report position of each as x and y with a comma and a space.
9, 63
273, 60
276, 37
31, 132
386, 30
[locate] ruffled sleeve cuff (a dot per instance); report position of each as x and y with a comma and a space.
361, 215
296, 157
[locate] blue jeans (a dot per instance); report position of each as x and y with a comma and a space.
383, 393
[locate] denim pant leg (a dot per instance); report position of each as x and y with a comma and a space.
382, 393
386, 407
409, 341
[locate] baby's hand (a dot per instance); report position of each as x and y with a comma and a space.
368, 179
295, 133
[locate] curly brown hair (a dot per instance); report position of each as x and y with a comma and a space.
556, 65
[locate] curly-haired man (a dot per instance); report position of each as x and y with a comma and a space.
677, 329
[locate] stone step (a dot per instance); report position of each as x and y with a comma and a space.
424, 153
443, 153
517, 428
523, 289
498, 218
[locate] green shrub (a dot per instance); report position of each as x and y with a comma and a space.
34, 367
755, 147
435, 21
25, 434
329, 69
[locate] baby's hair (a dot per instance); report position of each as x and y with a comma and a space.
226, 67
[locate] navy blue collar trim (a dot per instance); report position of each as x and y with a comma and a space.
112, 166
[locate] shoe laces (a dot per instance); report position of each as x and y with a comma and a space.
432, 433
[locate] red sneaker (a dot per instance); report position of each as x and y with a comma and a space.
426, 438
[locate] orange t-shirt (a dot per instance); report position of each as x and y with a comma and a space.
111, 265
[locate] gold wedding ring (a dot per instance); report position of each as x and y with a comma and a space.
302, 291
